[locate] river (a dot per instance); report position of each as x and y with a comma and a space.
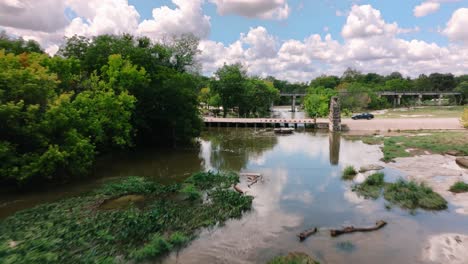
302, 188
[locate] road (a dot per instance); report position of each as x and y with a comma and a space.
403, 124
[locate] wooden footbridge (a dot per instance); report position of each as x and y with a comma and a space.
265, 122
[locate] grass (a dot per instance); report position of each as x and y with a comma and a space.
408, 195
76, 230
349, 173
293, 258
424, 112
420, 141
411, 195
371, 187
459, 187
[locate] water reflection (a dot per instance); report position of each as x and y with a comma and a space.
302, 188
334, 146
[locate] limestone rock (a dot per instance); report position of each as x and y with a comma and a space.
370, 168
462, 162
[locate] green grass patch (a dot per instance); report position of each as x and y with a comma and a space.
76, 230
293, 258
411, 195
349, 173
371, 187
408, 195
459, 187
419, 141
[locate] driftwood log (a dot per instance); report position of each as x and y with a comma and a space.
302, 236
352, 229
238, 189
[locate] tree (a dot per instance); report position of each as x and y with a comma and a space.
329, 82
230, 84
75, 47
19, 45
463, 89
317, 101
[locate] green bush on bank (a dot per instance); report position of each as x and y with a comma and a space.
349, 173
459, 187
408, 195
77, 230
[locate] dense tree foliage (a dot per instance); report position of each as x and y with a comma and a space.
58, 113
359, 91
250, 96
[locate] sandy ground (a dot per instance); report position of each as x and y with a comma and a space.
403, 124
440, 172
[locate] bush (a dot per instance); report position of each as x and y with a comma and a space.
191, 191
411, 195
371, 187
459, 187
464, 118
155, 247
349, 173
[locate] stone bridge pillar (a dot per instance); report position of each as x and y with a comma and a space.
399, 99
293, 106
419, 100
335, 115
439, 101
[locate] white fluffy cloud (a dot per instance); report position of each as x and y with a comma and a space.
457, 26
264, 9
370, 45
43, 15
426, 8
365, 21
102, 17
188, 17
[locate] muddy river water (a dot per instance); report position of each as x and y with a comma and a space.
302, 188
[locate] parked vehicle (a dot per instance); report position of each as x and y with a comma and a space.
367, 116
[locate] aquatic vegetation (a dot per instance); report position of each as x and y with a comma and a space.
346, 246
408, 195
76, 230
411, 195
293, 258
349, 173
459, 187
371, 187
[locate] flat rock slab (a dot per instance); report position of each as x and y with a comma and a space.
370, 168
447, 248
463, 162
454, 153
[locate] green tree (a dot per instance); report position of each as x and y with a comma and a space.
317, 101
230, 84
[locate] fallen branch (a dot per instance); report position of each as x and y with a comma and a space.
352, 229
302, 236
252, 183
238, 189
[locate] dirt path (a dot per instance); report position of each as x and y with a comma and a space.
403, 124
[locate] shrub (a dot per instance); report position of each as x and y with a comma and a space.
464, 118
191, 191
411, 195
349, 173
459, 187
371, 187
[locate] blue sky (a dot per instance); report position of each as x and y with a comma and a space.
311, 17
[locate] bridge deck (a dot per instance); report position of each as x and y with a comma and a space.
263, 120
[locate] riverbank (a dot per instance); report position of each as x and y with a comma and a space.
132, 219
423, 158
